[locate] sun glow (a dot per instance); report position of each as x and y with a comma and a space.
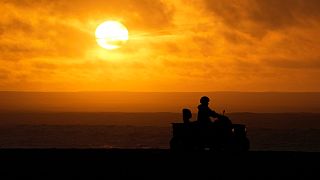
111, 35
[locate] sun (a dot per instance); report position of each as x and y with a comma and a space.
111, 35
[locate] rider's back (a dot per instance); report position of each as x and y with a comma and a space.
204, 114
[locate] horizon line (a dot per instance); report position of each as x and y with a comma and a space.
153, 112
102, 91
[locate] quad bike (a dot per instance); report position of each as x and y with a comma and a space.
220, 135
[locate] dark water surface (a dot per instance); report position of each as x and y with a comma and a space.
267, 132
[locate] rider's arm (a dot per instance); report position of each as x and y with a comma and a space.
213, 114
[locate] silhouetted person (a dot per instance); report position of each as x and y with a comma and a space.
204, 112
186, 115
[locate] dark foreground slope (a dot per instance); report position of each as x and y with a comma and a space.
156, 164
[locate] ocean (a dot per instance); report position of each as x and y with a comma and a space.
267, 132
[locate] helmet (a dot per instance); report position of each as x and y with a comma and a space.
204, 99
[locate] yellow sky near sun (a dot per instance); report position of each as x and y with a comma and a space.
205, 45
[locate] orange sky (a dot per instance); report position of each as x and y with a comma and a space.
181, 45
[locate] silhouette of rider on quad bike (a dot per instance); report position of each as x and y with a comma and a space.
205, 114
222, 123
219, 135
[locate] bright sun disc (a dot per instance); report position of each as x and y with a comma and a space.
111, 35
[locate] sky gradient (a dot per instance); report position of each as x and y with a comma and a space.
189, 45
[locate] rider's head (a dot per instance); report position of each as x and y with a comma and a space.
204, 100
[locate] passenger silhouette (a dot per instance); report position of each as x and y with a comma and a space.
186, 115
204, 112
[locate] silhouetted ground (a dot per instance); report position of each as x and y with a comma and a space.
155, 164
